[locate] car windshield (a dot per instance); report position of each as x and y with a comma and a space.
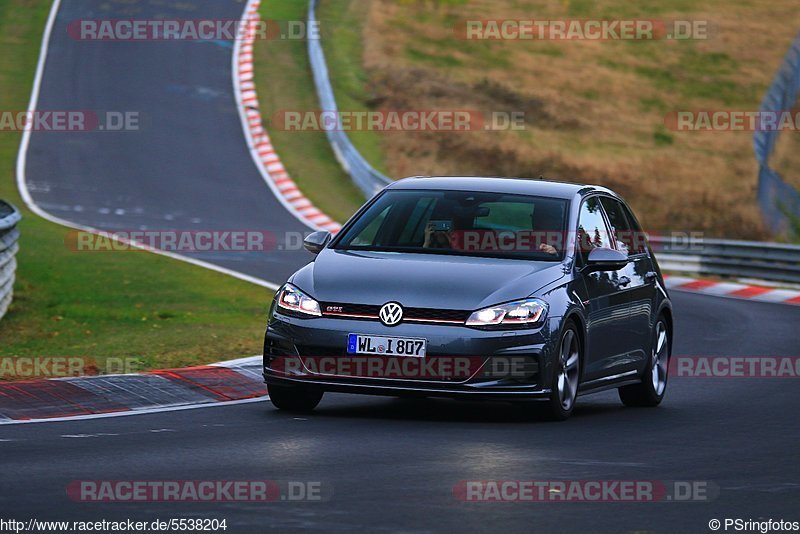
462, 223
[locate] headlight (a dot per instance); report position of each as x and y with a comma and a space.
293, 300
521, 313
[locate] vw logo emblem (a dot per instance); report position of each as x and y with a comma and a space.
391, 314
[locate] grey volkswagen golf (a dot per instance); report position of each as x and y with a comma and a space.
480, 288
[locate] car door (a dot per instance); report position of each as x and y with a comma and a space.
605, 301
636, 281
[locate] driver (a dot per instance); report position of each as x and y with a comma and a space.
435, 238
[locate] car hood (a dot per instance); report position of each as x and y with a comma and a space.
422, 280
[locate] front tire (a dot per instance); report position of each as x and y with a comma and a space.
654, 381
566, 375
294, 398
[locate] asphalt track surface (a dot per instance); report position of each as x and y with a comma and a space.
391, 464
187, 168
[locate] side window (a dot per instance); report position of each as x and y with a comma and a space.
626, 238
592, 231
639, 237
620, 229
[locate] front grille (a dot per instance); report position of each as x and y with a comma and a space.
370, 312
437, 315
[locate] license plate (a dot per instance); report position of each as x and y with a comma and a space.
386, 346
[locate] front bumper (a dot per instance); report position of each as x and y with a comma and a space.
501, 365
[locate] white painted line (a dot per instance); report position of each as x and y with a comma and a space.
239, 362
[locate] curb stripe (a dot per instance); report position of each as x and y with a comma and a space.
40, 399
64, 398
698, 285
223, 383
751, 291
267, 159
735, 290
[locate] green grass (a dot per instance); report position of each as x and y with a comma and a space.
431, 59
284, 83
697, 74
662, 137
156, 311
551, 51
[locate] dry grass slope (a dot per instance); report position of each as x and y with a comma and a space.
595, 110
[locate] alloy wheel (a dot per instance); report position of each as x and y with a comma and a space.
568, 370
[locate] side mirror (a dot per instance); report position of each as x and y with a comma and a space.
605, 259
315, 242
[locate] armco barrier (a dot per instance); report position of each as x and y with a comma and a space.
779, 201
722, 257
9, 235
366, 178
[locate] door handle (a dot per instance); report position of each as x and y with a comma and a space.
623, 281
650, 276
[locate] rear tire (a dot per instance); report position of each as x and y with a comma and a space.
566, 375
654, 381
294, 398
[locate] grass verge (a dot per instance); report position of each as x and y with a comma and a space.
155, 311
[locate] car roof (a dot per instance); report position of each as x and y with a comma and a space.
519, 186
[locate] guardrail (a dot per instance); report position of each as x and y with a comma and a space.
366, 178
9, 235
722, 257
779, 201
